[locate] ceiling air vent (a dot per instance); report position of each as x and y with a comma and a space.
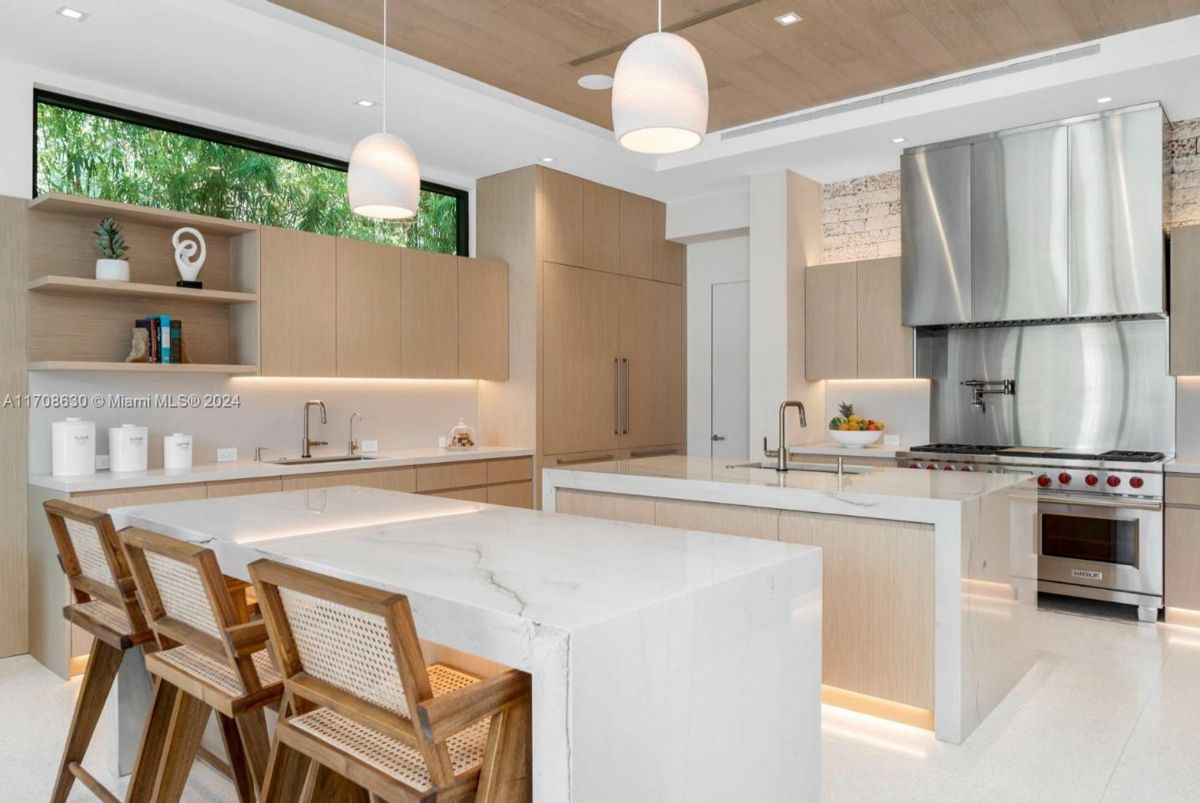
987, 73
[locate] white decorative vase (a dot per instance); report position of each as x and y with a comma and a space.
112, 270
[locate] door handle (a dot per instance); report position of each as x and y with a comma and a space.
716, 437
628, 403
616, 397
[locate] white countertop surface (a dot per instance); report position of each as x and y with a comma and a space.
832, 449
248, 469
556, 570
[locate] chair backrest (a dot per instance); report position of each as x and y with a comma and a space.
91, 557
351, 648
186, 600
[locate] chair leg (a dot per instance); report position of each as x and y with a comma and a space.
287, 770
252, 729
154, 738
242, 779
323, 785
102, 667
183, 741
507, 772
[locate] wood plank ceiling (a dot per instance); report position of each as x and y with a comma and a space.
756, 67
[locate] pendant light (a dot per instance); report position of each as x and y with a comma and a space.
660, 94
385, 178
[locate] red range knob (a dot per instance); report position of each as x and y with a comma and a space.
967, 468
1044, 481
1136, 482
1064, 478
1113, 482
1091, 479
913, 465
947, 468
930, 467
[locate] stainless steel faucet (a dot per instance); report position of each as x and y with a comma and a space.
353, 447
781, 454
980, 387
306, 447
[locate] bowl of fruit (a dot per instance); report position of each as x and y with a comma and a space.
852, 430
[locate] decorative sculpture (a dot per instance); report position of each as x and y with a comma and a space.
139, 350
189, 256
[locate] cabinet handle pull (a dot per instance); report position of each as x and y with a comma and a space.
596, 458
654, 452
628, 404
616, 397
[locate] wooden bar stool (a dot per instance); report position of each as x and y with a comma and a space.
360, 703
209, 659
106, 607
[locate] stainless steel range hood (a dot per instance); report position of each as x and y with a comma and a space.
1056, 221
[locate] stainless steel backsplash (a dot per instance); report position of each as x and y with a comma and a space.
1088, 385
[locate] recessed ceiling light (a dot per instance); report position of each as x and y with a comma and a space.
596, 81
366, 104
790, 18
71, 14
547, 159
898, 140
1105, 99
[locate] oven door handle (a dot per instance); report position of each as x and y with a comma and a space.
1090, 501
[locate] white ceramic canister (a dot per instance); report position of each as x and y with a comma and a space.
128, 448
73, 447
177, 451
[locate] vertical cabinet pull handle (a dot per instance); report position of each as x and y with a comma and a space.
616, 397
628, 405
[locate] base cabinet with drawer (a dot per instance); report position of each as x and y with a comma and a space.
1181, 550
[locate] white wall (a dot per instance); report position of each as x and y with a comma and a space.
708, 263
399, 413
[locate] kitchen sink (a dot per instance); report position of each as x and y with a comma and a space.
303, 461
820, 468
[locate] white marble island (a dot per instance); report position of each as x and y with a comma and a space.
930, 578
666, 665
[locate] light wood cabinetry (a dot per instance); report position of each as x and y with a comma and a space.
637, 236
617, 507
386, 479
748, 522
256, 485
463, 494
368, 309
429, 320
482, 319
297, 303
1181, 550
852, 324
1185, 301
511, 494
515, 469
561, 217
580, 362
651, 348
442, 476
601, 227
669, 257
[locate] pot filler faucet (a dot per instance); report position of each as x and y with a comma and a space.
306, 448
981, 387
781, 454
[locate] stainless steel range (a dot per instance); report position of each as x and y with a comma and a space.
1100, 516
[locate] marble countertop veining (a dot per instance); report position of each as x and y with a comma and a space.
878, 451
249, 469
555, 570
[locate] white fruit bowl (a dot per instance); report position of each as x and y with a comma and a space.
855, 440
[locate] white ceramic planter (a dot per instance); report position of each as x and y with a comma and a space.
112, 270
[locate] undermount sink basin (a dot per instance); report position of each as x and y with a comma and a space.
301, 461
819, 468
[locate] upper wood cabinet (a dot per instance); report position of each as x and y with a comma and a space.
368, 309
482, 319
651, 332
429, 315
637, 236
1185, 301
561, 214
601, 227
852, 326
580, 343
296, 305
669, 257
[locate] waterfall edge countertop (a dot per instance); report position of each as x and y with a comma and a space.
627, 629
249, 469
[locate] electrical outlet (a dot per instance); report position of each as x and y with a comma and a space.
226, 455
370, 446
891, 440
102, 463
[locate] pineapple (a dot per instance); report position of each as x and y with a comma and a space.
844, 418
846, 410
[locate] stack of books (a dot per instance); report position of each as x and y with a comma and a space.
165, 337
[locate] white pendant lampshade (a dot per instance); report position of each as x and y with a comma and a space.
384, 179
660, 95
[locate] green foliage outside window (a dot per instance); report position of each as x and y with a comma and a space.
101, 157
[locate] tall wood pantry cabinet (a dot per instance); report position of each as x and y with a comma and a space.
604, 288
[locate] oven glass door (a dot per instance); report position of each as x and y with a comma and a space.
1102, 539
1103, 545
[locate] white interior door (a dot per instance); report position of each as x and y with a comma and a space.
730, 369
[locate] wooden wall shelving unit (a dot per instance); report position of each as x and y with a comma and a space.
77, 323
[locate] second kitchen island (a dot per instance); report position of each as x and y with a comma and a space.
930, 578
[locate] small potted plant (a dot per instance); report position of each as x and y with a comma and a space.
110, 242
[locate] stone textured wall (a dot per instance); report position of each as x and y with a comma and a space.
861, 216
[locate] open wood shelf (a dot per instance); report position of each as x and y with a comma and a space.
128, 213
142, 367
72, 285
